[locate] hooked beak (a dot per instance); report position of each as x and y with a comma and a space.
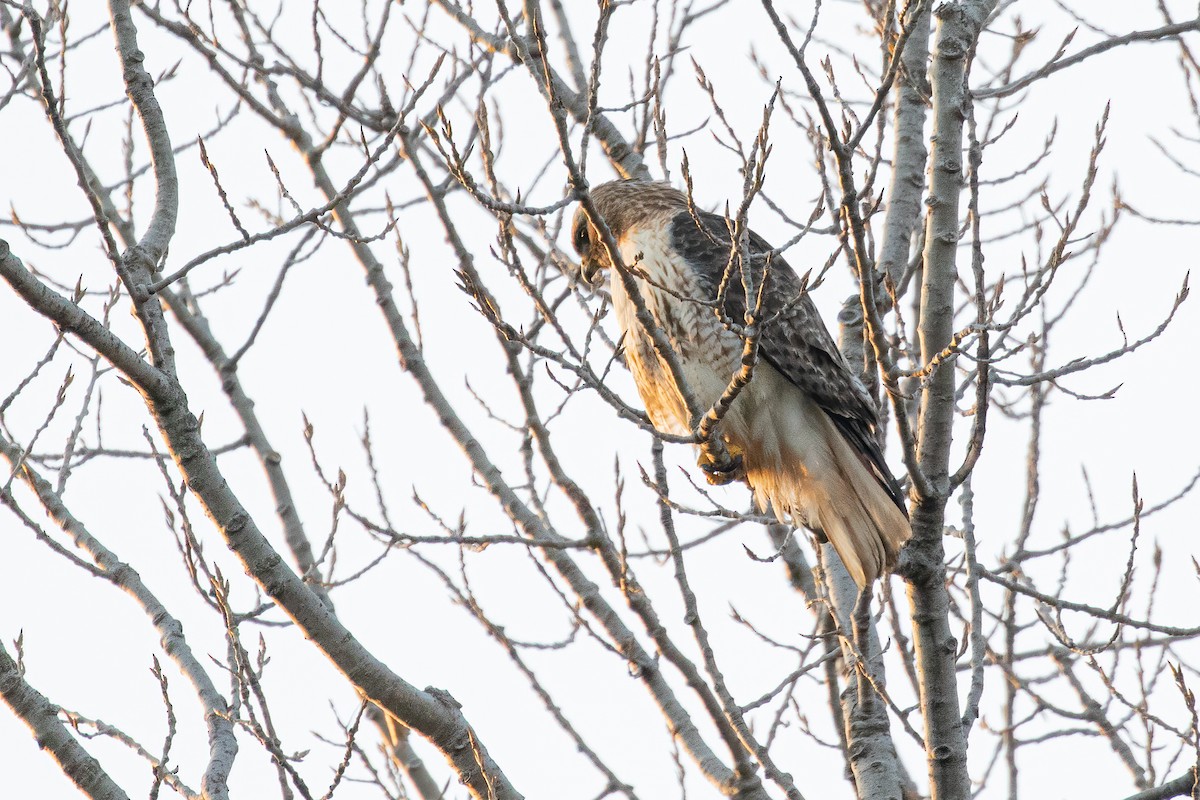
592, 272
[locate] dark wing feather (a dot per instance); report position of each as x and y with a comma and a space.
795, 342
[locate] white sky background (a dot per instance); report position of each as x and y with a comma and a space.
325, 352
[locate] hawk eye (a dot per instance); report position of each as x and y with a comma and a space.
579, 238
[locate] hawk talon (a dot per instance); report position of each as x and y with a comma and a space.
720, 475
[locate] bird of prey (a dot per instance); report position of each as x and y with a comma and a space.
804, 428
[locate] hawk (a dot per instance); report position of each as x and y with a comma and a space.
804, 428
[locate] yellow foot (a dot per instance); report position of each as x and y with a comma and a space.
724, 472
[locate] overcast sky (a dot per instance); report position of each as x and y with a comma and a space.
325, 354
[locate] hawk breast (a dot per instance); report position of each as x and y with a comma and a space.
679, 300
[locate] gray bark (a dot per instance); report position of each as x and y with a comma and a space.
909, 153
869, 746
431, 712
223, 746
51, 734
958, 26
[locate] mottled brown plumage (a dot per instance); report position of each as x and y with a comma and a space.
805, 426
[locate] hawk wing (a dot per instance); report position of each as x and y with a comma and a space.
794, 341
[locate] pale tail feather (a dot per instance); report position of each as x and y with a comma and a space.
799, 463
867, 530
862, 523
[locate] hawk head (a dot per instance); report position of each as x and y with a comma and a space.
624, 205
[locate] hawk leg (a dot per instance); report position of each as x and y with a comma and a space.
724, 472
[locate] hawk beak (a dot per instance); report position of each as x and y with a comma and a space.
591, 271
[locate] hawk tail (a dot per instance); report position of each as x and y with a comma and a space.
862, 523
816, 477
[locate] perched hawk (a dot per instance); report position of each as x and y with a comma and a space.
804, 427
